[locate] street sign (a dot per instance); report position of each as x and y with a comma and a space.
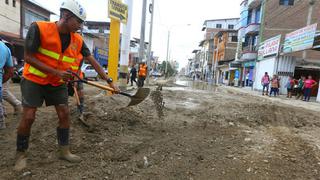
118, 11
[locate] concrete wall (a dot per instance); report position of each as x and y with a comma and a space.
10, 17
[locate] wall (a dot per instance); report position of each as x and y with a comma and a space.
266, 65
285, 64
224, 23
10, 17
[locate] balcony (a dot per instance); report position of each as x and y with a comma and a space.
252, 4
243, 6
249, 53
252, 29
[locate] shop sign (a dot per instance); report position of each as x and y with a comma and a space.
269, 47
118, 10
249, 64
300, 39
101, 55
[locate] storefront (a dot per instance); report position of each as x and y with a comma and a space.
248, 73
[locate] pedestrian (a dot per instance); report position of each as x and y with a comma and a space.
290, 84
133, 75
308, 85
247, 79
142, 73
52, 50
300, 87
6, 72
265, 81
274, 85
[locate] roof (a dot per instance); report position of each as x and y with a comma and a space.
202, 42
40, 6
12, 38
220, 20
195, 51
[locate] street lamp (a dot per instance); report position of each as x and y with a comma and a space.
168, 45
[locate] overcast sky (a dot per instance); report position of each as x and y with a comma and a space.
169, 14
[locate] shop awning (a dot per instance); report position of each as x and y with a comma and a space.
12, 38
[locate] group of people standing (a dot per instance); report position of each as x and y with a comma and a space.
302, 87
142, 74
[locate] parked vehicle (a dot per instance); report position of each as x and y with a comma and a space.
89, 72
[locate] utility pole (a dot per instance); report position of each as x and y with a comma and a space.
166, 71
125, 47
142, 31
309, 18
151, 9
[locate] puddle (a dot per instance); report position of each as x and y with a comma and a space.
198, 85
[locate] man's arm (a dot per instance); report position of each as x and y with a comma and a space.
8, 67
101, 72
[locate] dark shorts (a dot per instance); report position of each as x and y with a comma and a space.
34, 94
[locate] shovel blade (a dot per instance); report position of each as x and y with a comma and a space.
139, 96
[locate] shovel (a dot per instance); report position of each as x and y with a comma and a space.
138, 97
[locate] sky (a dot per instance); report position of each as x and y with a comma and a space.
183, 18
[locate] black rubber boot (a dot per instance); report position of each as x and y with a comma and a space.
64, 149
21, 154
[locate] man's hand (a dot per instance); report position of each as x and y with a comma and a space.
64, 75
115, 87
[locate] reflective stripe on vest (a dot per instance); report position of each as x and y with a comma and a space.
75, 68
36, 72
55, 55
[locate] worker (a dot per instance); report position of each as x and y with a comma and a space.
142, 73
6, 72
52, 49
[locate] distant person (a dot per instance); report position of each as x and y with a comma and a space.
274, 85
142, 73
290, 84
133, 75
265, 81
247, 79
308, 85
6, 72
299, 87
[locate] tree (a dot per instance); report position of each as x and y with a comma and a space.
170, 72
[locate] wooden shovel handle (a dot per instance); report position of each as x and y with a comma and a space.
100, 86
76, 95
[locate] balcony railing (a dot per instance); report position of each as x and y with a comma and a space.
253, 28
254, 3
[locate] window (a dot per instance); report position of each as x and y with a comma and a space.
7, 1
230, 26
233, 37
31, 17
249, 17
258, 12
286, 2
14, 3
219, 26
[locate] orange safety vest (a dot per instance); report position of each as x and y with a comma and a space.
142, 70
50, 53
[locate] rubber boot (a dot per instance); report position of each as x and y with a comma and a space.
64, 149
21, 154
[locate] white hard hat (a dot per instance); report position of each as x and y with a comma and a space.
75, 7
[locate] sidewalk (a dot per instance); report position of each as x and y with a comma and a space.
312, 105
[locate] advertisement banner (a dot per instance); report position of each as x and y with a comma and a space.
269, 47
300, 39
101, 55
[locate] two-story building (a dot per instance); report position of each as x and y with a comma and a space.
207, 45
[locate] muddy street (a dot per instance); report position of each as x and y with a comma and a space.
178, 132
